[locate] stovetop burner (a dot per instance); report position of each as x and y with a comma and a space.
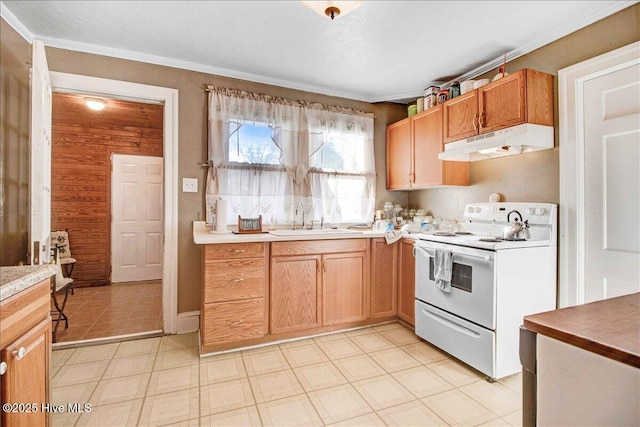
463, 233
489, 240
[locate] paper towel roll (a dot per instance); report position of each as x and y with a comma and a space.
221, 215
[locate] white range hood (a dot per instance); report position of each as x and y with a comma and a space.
505, 142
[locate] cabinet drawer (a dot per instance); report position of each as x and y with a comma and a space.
234, 279
234, 251
232, 321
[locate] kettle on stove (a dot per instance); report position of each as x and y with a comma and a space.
516, 230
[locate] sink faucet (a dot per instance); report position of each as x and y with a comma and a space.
296, 213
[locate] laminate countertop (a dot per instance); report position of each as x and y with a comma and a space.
609, 327
16, 279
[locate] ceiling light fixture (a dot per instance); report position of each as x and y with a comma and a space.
332, 9
95, 104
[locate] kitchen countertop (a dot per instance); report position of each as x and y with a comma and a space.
17, 279
202, 236
609, 327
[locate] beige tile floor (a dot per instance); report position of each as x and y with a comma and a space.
107, 311
376, 376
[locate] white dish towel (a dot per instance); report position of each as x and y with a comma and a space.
443, 264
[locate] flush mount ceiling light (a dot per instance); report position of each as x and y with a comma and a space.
95, 104
332, 9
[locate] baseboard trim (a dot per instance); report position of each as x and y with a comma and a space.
189, 321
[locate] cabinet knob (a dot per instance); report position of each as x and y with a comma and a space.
481, 120
3, 368
19, 353
473, 122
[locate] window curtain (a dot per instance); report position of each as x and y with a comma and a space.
299, 130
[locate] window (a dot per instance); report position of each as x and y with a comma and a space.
252, 143
270, 156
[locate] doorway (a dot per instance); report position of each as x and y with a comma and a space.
599, 151
92, 86
122, 141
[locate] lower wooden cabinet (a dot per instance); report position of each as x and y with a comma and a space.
295, 293
256, 293
317, 283
25, 343
406, 282
234, 294
384, 278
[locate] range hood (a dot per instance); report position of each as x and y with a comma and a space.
505, 142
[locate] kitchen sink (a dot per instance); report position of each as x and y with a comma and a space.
314, 232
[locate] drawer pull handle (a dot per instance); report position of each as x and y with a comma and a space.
19, 353
233, 323
3, 368
237, 279
473, 122
236, 251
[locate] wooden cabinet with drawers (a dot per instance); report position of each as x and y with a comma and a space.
234, 294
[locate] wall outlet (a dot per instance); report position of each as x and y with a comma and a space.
189, 185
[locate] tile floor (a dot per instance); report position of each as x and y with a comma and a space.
381, 375
105, 311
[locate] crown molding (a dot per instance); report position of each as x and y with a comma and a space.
15, 23
570, 27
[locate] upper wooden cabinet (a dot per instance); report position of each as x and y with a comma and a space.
525, 96
399, 155
412, 158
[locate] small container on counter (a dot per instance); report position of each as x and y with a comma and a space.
420, 104
443, 96
431, 96
466, 86
412, 110
454, 90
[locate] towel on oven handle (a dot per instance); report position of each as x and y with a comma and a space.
443, 263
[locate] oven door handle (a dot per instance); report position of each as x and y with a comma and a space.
486, 257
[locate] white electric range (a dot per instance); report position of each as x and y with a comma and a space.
494, 284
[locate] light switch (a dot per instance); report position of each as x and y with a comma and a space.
189, 185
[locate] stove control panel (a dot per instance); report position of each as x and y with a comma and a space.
535, 213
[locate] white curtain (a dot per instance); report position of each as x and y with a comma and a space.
303, 133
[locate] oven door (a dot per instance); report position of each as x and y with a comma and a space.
473, 290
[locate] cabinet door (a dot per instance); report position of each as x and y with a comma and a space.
406, 282
345, 288
384, 278
426, 132
503, 103
295, 302
26, 378
399, 155
460, 117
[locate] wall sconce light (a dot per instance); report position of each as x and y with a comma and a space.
95, 104
332, 9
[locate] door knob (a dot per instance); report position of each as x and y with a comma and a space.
19, 353
3, 368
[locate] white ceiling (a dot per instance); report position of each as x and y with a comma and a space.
382, 51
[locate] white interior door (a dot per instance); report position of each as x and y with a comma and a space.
40, 151
612, 184
136, 218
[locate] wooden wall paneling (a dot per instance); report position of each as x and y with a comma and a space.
83, 142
